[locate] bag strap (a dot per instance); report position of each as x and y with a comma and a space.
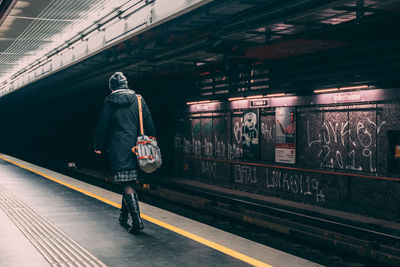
140, 114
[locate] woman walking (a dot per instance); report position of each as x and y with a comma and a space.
118, 127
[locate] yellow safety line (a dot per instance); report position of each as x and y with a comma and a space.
194, 237
65, 184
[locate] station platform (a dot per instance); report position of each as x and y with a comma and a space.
49, 219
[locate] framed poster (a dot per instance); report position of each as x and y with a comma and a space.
285, 136
245, 135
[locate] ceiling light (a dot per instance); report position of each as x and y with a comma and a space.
198, 102
353, 87
204, 101
235, 98
326, 90
254, 96
51, 25
275, 95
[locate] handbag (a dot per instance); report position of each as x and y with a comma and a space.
147, 151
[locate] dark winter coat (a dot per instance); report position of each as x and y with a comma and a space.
118, 128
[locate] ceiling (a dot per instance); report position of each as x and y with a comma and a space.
293, 46
33, 28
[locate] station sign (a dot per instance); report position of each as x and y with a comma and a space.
347, 97
259, 103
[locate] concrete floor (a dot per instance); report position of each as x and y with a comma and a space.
93, 224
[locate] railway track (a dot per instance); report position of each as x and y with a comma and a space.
322, 240
368, 246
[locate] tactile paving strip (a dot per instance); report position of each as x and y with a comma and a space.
55, 246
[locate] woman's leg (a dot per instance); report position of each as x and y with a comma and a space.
124, 212
129, 187
132, 204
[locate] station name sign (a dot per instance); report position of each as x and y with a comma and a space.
259, 103
347, 97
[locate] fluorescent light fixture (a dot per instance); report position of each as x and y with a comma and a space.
235, 98
254, 96
198, 102
204, 101
354, 87
275, 95
326, 90
91, 15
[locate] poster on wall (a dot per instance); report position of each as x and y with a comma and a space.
285, 147
250, 135
245, 135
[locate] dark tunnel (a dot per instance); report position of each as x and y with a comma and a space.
53, 129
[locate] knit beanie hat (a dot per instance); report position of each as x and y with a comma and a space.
118, 81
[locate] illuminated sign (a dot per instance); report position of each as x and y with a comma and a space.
258, 103
352, 97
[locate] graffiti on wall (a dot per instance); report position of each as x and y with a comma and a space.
346, 144
207, 136
333, 139
244, 174
209, 169
221, 141
287, 182
294, 183
250, 131
245, 135
267, 132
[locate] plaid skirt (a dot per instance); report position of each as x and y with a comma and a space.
126, 176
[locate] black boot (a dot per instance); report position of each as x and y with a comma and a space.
133, 206
124, 215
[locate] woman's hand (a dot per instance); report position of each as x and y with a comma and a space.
97, 152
